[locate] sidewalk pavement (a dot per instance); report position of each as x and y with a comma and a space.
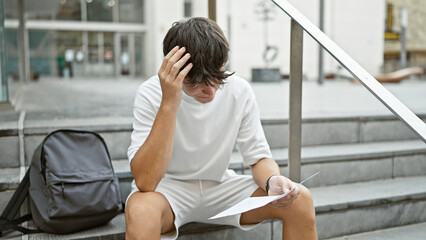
62, 99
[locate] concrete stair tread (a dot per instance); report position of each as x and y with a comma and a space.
412, 232
114, 229
121, 167
9, 177
326, 199
324, 153
336, 152
363, 194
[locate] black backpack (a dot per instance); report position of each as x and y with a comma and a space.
71, 185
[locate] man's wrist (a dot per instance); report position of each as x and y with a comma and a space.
267, 183
169, 106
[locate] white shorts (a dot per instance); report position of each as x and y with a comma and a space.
198, 200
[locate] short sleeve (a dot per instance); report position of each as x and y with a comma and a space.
251, 141
144, 114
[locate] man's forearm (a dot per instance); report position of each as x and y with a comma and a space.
263, 169
152, 159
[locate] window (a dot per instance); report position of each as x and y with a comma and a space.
69, 10
100, 10
42, 52
11, 9
131, 11
12, 53
52, 53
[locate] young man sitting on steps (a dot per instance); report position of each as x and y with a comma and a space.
187, 120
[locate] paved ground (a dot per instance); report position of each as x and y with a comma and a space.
57, 98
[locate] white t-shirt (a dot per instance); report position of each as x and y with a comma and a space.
205, 132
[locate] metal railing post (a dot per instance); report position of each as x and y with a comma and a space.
24, 57
295, 116
320, 50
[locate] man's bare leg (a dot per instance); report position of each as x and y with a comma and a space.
298, 218
148, 215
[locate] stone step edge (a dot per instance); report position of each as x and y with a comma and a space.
321, 209
400, 232
371, 193
193, 228
116, 229
280, 155
10, 178
105, 124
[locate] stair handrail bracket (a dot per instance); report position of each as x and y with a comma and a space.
358, 72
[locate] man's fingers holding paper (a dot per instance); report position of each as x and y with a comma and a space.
279, 185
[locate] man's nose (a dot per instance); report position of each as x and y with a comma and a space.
207, 89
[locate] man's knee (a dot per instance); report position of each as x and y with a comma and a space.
307, 201
302, 206
148, 206
148, 212
305, 194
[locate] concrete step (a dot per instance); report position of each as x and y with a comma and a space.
347, 163
116, 132
396, 158
114, 229
339, 130
338, 164
411, 232
368, 206
340, 210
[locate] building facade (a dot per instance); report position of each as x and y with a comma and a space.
77, 38
99, 39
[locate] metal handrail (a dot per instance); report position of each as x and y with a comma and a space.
299, 21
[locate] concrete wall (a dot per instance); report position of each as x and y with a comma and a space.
355, 25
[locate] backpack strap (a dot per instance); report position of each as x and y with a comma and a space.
14, 224
7, 219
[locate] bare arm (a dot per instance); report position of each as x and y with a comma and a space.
279, 184
151, 161
263, 169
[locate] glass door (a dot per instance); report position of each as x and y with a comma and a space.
125, 57
100, 54
130, 55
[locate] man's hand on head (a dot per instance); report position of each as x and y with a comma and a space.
279, 185
171, 76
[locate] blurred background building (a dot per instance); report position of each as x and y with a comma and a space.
73, 38
115, 39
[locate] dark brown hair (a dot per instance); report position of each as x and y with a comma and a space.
206, 43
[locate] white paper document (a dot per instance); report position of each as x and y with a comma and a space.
253, 203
